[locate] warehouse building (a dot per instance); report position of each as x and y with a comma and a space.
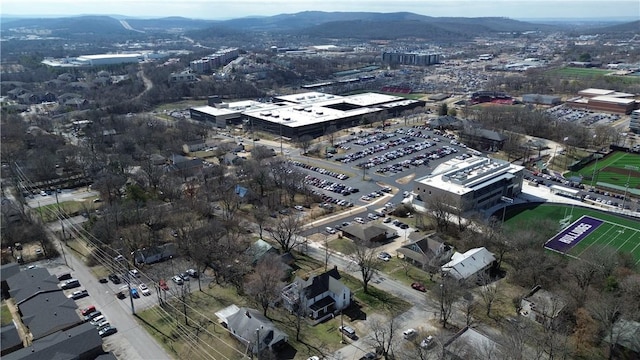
472, 184
310, 113
108, 59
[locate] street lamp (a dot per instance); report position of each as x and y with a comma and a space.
506, 200
626, 188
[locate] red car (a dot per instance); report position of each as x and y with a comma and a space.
418, 286
88, 310
163, 285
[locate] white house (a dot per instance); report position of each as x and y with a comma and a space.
471, 263
319, 296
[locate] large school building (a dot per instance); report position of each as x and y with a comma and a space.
472, 184
310, 113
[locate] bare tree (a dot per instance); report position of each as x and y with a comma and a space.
265, 283
285, 232
363, 255
305, 143
382, 335
261, 216
331, 134
489, 291
439, 208
450, 291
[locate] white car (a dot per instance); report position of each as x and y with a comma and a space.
330, 230
299, 208
144, 289
134, 273
359, 220
427, 342
409, 333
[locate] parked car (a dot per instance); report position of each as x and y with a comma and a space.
102, 324
163, 285
92, 315
330, 230
418, 286
88, 310
369, 356
144, 289
134, 273
96, 320
107, 331
384, 256
79, 294
409, 333
427, 342
121, 295
134, 293
348, 330
177, 280
184, 276
65, 276
114, 278
70, 284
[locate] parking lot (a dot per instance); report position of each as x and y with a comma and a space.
581, 116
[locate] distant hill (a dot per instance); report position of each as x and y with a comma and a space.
169, 23
629, 27
96, 26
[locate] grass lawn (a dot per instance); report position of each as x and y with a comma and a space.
50, 212
5, 315
344, 246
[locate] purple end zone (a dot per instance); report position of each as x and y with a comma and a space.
573, 234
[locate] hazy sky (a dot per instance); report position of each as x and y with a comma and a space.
216, 9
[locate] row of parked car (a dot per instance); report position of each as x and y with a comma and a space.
335, 187
179, 279
320, 170
383, 146
97, 319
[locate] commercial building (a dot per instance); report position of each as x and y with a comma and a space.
109, 59
310, 113
634, 123
214, 61
604, 100
411, 58
471, 184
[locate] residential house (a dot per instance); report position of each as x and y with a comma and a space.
78, 343
28, 98
7, 271
541, 305
183, 76
482, 139
469, 265
426, 251
46, 313
77, 103
185, 166
320, 296
259, 250
446, 122
250, 327
66, 77
31, 282
13, 94
10, 340
154, 254
469, 343
367, 232
625, 337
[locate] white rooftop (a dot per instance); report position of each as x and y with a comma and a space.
462, 266
594, 91
463, 176
107, 56
611, 99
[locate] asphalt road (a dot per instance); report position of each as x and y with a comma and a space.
66, 195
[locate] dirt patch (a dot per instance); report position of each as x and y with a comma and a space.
625, 172
407, 179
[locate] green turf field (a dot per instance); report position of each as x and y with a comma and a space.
614, 236
613, 169
573, 72
617, 233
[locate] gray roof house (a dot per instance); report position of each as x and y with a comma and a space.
31, 282
47, 313
367, 232
10, 340
426, 250
468, 344
320, 296
249, 325
541, 305
7, 271
470, 264
78, 343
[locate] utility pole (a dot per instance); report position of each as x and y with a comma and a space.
64, 236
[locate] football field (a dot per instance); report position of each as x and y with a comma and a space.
618, 169
583, 230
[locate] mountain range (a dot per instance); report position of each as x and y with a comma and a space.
313, 24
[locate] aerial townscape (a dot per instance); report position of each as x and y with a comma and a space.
306, 181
